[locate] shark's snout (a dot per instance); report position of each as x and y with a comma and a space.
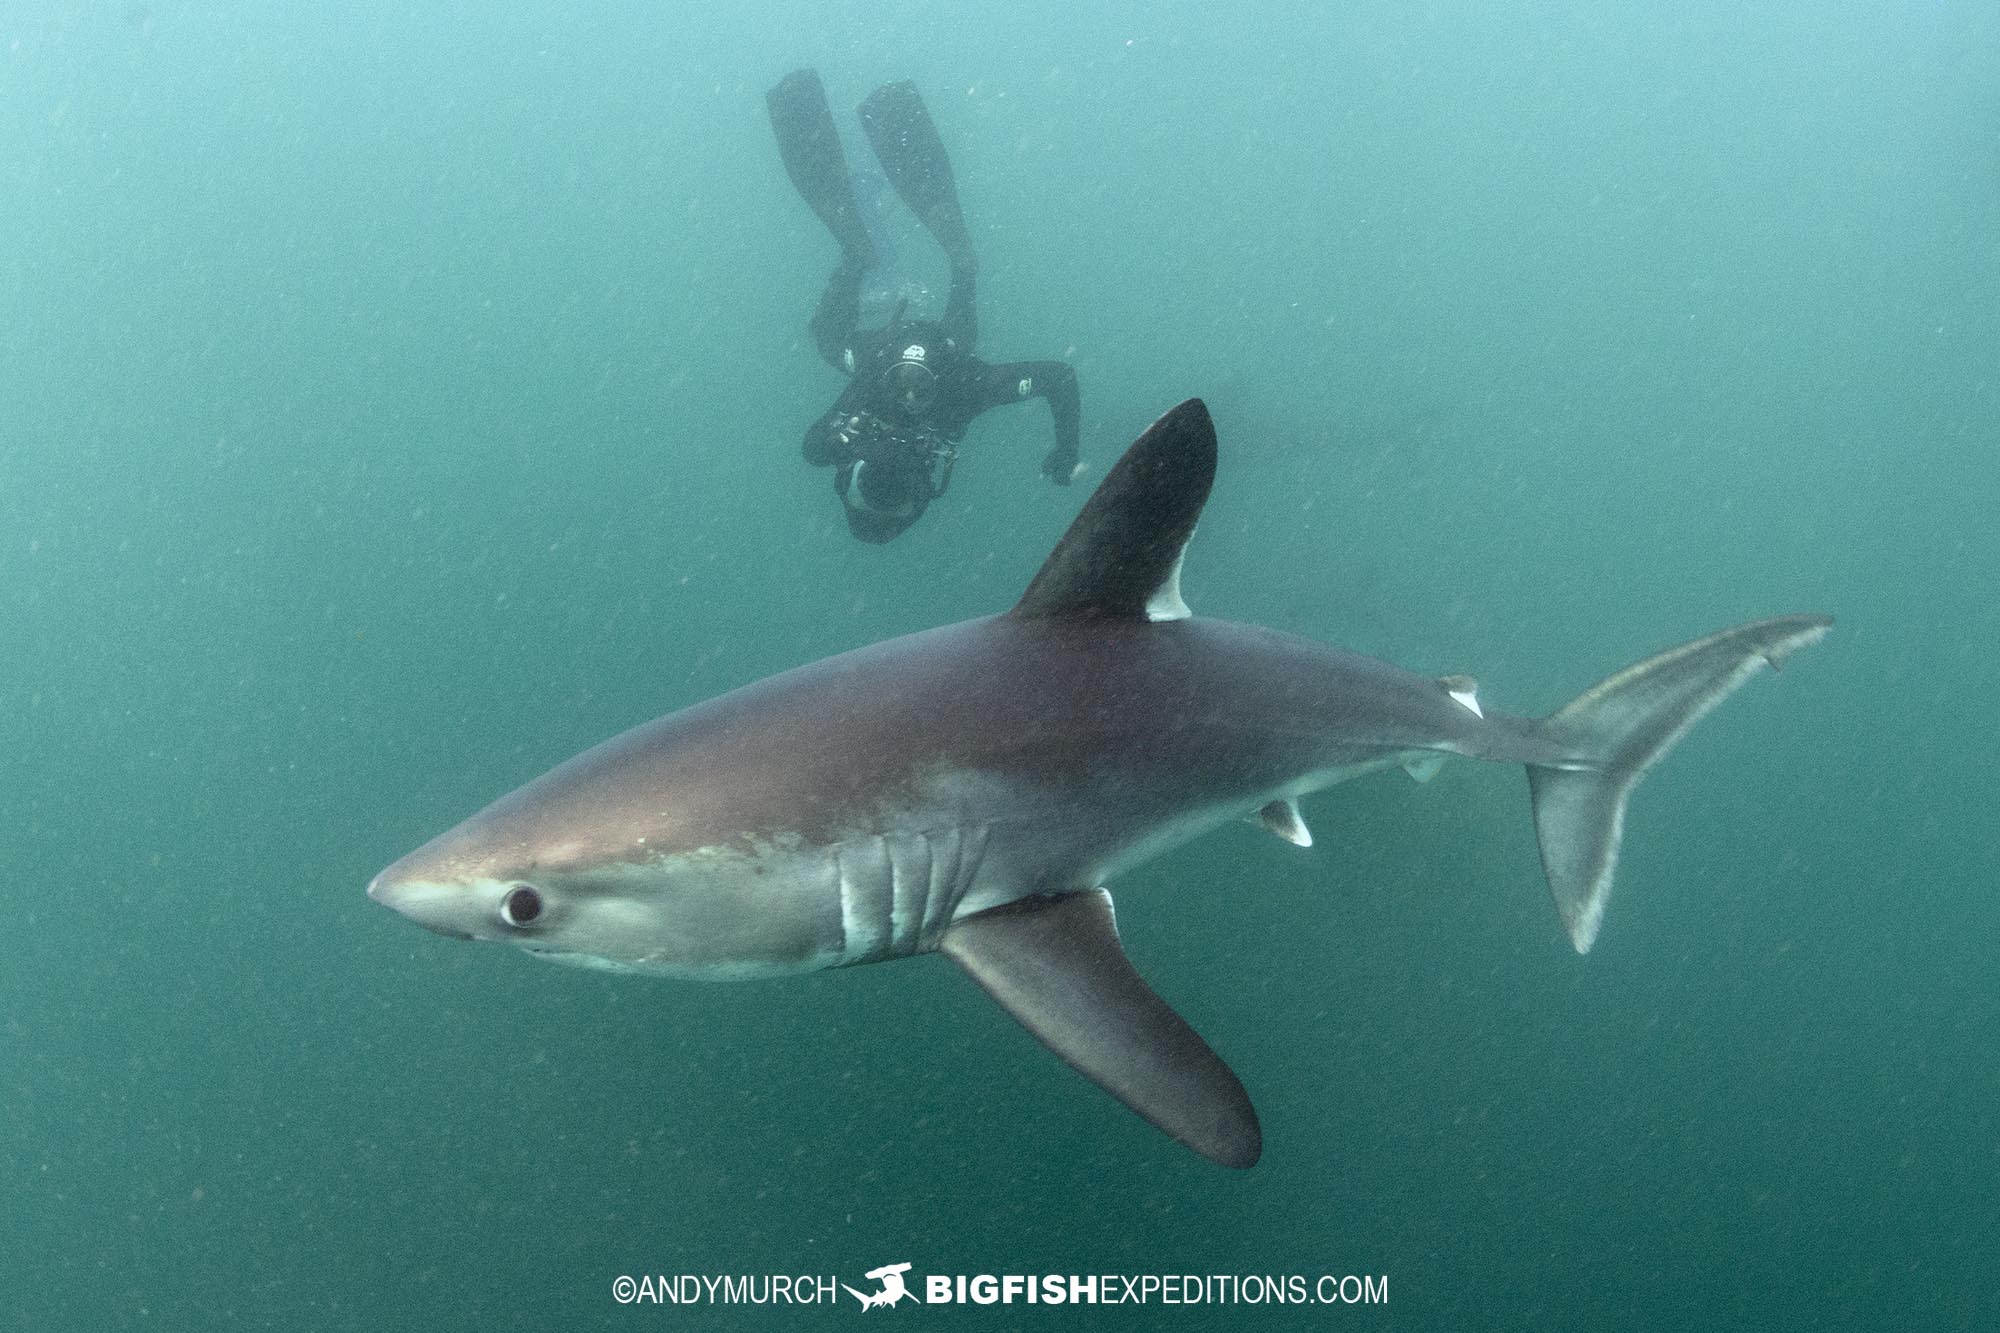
431, 906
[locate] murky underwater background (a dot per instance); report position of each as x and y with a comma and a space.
396, 399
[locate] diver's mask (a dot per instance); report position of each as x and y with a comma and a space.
911, 385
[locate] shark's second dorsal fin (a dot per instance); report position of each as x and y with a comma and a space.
1122, 556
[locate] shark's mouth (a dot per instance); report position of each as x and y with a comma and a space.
570, 958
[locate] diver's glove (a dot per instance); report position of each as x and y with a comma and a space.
843, 442
869, 439
1061, 465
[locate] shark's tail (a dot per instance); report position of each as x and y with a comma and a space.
1620, 727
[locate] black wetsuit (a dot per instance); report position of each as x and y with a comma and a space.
868, 425
892, 452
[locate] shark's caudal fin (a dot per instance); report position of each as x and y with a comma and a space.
1122, 555
1621, 727
1056, 965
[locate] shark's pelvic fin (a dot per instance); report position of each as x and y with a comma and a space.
1122, 555
1282, 817
1055, 964
1618, 729
1426, 768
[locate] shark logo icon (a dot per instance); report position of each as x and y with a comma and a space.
893, 1290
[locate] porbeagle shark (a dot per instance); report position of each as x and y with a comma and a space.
969, 790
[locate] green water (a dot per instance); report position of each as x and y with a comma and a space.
396, 399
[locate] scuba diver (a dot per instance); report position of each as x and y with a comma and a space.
915, 384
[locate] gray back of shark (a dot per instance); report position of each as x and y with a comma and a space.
970, 789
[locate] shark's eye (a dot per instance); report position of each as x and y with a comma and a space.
521, 906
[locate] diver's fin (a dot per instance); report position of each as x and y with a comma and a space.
1282, 818
1122, 555
914, 160
810, 147
1055, 964
1618, 729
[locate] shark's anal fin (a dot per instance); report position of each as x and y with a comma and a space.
1121, 557
1282, 817
1055, 964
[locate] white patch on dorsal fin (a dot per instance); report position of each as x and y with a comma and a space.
1424, 769
1166, 602
1465, 690
1282, 817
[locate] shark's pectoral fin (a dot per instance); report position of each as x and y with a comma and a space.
1056, 965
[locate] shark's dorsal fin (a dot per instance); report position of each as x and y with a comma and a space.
1055, 964
1464, 691
1122, 556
